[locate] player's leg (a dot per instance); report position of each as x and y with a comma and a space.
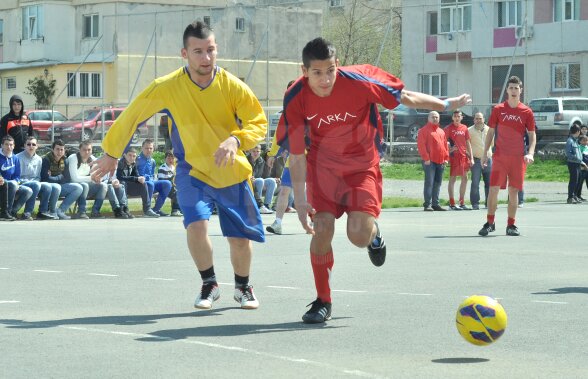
241, 255
462, 189
516, 177
281, 205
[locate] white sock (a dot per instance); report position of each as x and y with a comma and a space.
278, 221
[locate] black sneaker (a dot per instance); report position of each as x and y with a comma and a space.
464, 207
455, 208
318, 313
487, 228
513, 231
377, 249
44, 216
438, 208
6, 216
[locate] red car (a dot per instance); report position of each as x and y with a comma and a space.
41, 120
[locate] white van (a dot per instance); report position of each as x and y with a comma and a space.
555, 115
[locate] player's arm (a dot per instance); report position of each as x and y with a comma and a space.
252, 117
421, 100
487, 145
298, 175
529, 158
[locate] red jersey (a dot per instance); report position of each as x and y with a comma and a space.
342, 130
432, 144
510, 127
458, 134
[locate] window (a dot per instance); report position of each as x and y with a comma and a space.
499, 74
432, 23
84, 84
566, 10
456, 15
206, 20
240, 24
90, 27
509, 13
32, 22
11, 83
1, 32
335, 3
565, 77
434, 84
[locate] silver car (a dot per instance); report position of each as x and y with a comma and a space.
555, 115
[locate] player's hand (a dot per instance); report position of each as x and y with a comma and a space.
427, 163
141, 179
484, 161
1, 181
305, 214
226, 152
102, 166
529, 159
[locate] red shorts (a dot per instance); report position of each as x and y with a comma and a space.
509, 169
337, 192
458, 165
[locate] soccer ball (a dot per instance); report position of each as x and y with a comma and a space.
481, 320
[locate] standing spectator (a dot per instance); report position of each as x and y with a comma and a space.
583, 140
460, 159
478, 133
432, 146
30, 175
134, 184
509, 121
167, 171
575, 161
282, 203
16, 124
164, 128
10, 173
216, 116
146, 168
261, 182
79, 165
53, 170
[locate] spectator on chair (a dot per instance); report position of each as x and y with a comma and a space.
167, 171
10, 173
79, 165
261, 182
53, 170
134, 184
30, 176
146, 168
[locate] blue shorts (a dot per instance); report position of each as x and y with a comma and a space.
286, 180
237, 210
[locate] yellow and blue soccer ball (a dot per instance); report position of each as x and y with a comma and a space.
481, 320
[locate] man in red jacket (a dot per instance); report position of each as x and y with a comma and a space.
432, 146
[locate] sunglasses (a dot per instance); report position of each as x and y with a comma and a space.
31, 144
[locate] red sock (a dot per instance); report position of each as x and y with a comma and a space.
322, 266
461, 201
510, 221
452, 201
490, 219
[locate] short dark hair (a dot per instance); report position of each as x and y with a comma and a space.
515, 80
197, 29
574, 129
7, 138
57, 142
290, 83
147, 140
319, 49
169, 153
84, 143
457, 111
583, 138
131, 150
30, 138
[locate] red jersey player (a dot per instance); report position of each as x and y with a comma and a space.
460, 159
333, 112
509, 122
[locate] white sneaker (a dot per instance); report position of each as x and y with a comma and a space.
209, 293
265, 210
274, 228
245, 296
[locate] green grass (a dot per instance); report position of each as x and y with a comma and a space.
404, 202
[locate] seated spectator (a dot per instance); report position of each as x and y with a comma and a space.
4, 213
10, 172
117, 197
260, 182
53, 170
146, 168
134, 184
79, 165
167, 171
30, 176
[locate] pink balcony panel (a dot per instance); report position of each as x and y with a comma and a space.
431, 44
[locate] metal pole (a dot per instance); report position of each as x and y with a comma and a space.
142, 64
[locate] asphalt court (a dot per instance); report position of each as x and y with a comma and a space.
113, 298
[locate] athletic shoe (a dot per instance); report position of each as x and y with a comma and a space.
580, 198
571, 200
125, 210
438, 208
162, 213
487, 228
513, 231
209, 293
26, 217
521, 205
464, 207
177, 213
274, 228
475, 207
61, 215
245, 296
150, 213
265, 210
318, 313
45, 216
454, 208
377, 249
119, 213
577, 199
5, 216
81, 216
96, 215
429, 209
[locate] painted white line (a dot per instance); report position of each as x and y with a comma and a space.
9, 301
414, 294
284, 287
549, 302
4, 268
227, 284
168, 279
97, 274
349, 291
53, 271
323, 366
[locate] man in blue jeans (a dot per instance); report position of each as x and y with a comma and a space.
478, 133
146, 167
53, 171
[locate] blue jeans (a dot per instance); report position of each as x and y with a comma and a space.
71, 192
270, 188
163, 187
117, 197
36, 187
433, 179
17, 195
97, 191
479, 172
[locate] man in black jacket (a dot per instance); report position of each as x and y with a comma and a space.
16, 124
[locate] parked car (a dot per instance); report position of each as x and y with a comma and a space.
41, 120
407, 121
87, 125
555, 115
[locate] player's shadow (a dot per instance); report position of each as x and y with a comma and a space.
460, 360
456, 237
562, 291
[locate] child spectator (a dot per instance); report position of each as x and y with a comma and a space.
134, 184
167, 171
146, 168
